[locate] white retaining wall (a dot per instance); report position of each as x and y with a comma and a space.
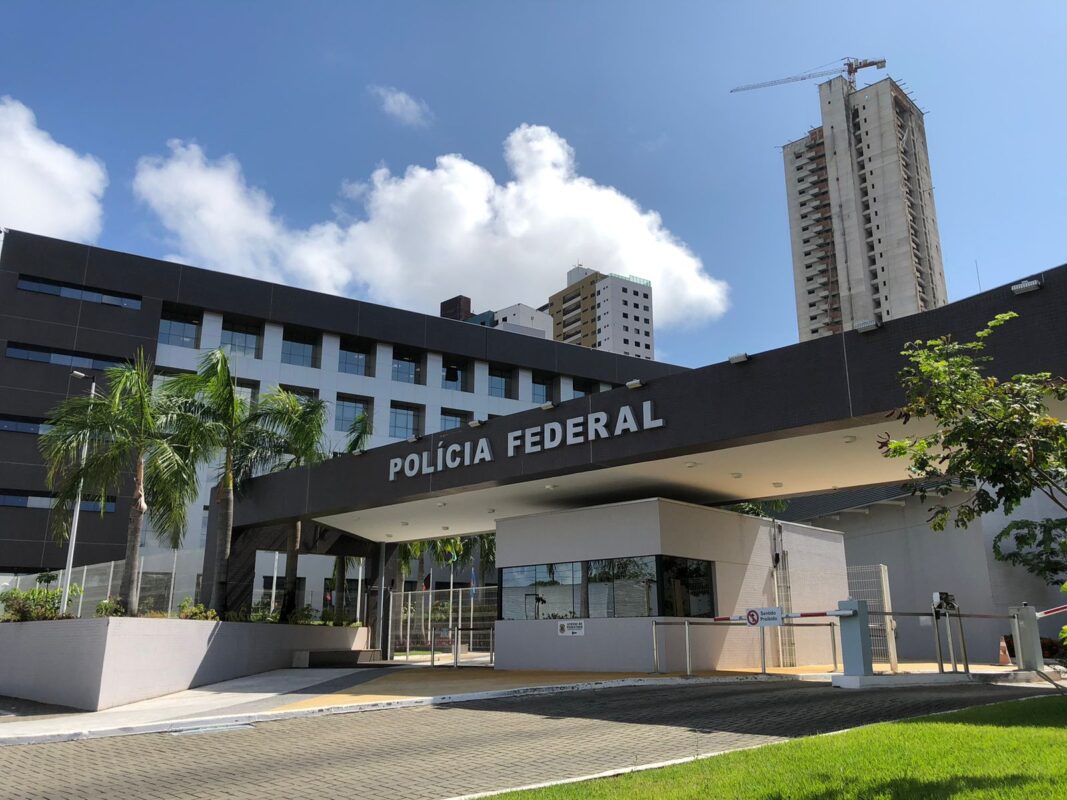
99, 663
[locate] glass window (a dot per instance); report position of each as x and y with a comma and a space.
242, 338
247, 390
518, 593
455, 374
75, 292
348, 410
13, 498
450, 419
500, 382
23, 425
405, 421
559, 590
300, 391
542, 389
601, 600
688, 589
181, 329
635, 587
355, 357
580, 388
300, 348
62, 358
407, 366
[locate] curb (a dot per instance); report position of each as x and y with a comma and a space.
207, 724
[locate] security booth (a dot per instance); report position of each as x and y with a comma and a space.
580, 588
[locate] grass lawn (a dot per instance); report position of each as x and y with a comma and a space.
1010, 750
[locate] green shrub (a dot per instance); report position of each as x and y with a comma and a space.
262, 613
304, 616
187, 609
35, 604
110, 607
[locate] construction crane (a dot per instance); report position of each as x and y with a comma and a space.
850, 67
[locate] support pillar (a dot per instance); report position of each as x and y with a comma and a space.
856, 639
1028, 646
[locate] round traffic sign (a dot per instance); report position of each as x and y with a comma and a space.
752, 617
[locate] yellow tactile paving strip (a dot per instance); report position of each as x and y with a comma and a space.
435, 682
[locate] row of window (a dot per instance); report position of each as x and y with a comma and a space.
75, 292
644, 586
14, 498
63, 358
11, 424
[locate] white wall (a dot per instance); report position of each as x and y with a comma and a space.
99, 663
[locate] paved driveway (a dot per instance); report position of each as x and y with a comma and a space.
436, 752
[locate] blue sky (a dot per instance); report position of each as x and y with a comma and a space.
640, 91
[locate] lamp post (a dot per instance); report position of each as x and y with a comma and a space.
77, 502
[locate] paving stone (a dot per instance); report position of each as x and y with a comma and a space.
436, 752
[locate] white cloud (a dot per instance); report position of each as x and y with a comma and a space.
45, 187
432, 233
402, 107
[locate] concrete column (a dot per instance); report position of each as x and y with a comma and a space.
566, 388
1028, 645
210, 331
525, 380
855, 638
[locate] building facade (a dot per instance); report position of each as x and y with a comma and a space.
516, 318
66, 306
863, 226
604, 312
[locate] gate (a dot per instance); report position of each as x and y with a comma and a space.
870, 582
439, 626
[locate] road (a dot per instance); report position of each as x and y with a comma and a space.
445, 751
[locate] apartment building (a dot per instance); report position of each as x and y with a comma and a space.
516, 318
604, 312
66, 306
862, 221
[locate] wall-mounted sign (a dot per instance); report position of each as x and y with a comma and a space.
764, 617
524, 441
572, 627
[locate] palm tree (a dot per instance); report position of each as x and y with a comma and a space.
296, 424
95, 441
229, 426
341, 565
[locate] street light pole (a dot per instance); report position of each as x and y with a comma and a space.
77, 502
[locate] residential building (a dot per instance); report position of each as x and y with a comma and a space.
66, 305
862, 222
516, 318
605, 312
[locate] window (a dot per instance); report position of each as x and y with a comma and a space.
356, 357
348, 409
75, 292
203, 525
405, 421
11, 424
300, 348
407, 365
179, 328
542, 388
580, 387
452, 419
455, 374
16, 498
687, 588
62, 358
247, 390
501, 382
602, 588
300, 391
242, 338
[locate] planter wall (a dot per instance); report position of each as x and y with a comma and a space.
99, 663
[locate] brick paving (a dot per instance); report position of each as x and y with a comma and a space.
443, 751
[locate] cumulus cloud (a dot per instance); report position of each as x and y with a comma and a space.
431, 233
46, 187
402, 107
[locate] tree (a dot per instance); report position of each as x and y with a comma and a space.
295, 426
227, 426
341, 566
994, 439
127, 427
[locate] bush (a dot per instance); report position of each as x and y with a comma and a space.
35, 604
187, 609
110, 607
303, 616
262, 613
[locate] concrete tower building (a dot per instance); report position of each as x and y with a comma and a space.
861, 212
606, 312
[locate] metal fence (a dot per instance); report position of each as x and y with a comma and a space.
423, 624
167, 578
870, 582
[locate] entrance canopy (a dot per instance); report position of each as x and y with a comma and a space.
794, 421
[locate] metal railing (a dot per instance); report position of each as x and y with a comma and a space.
936, 615
739, 621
